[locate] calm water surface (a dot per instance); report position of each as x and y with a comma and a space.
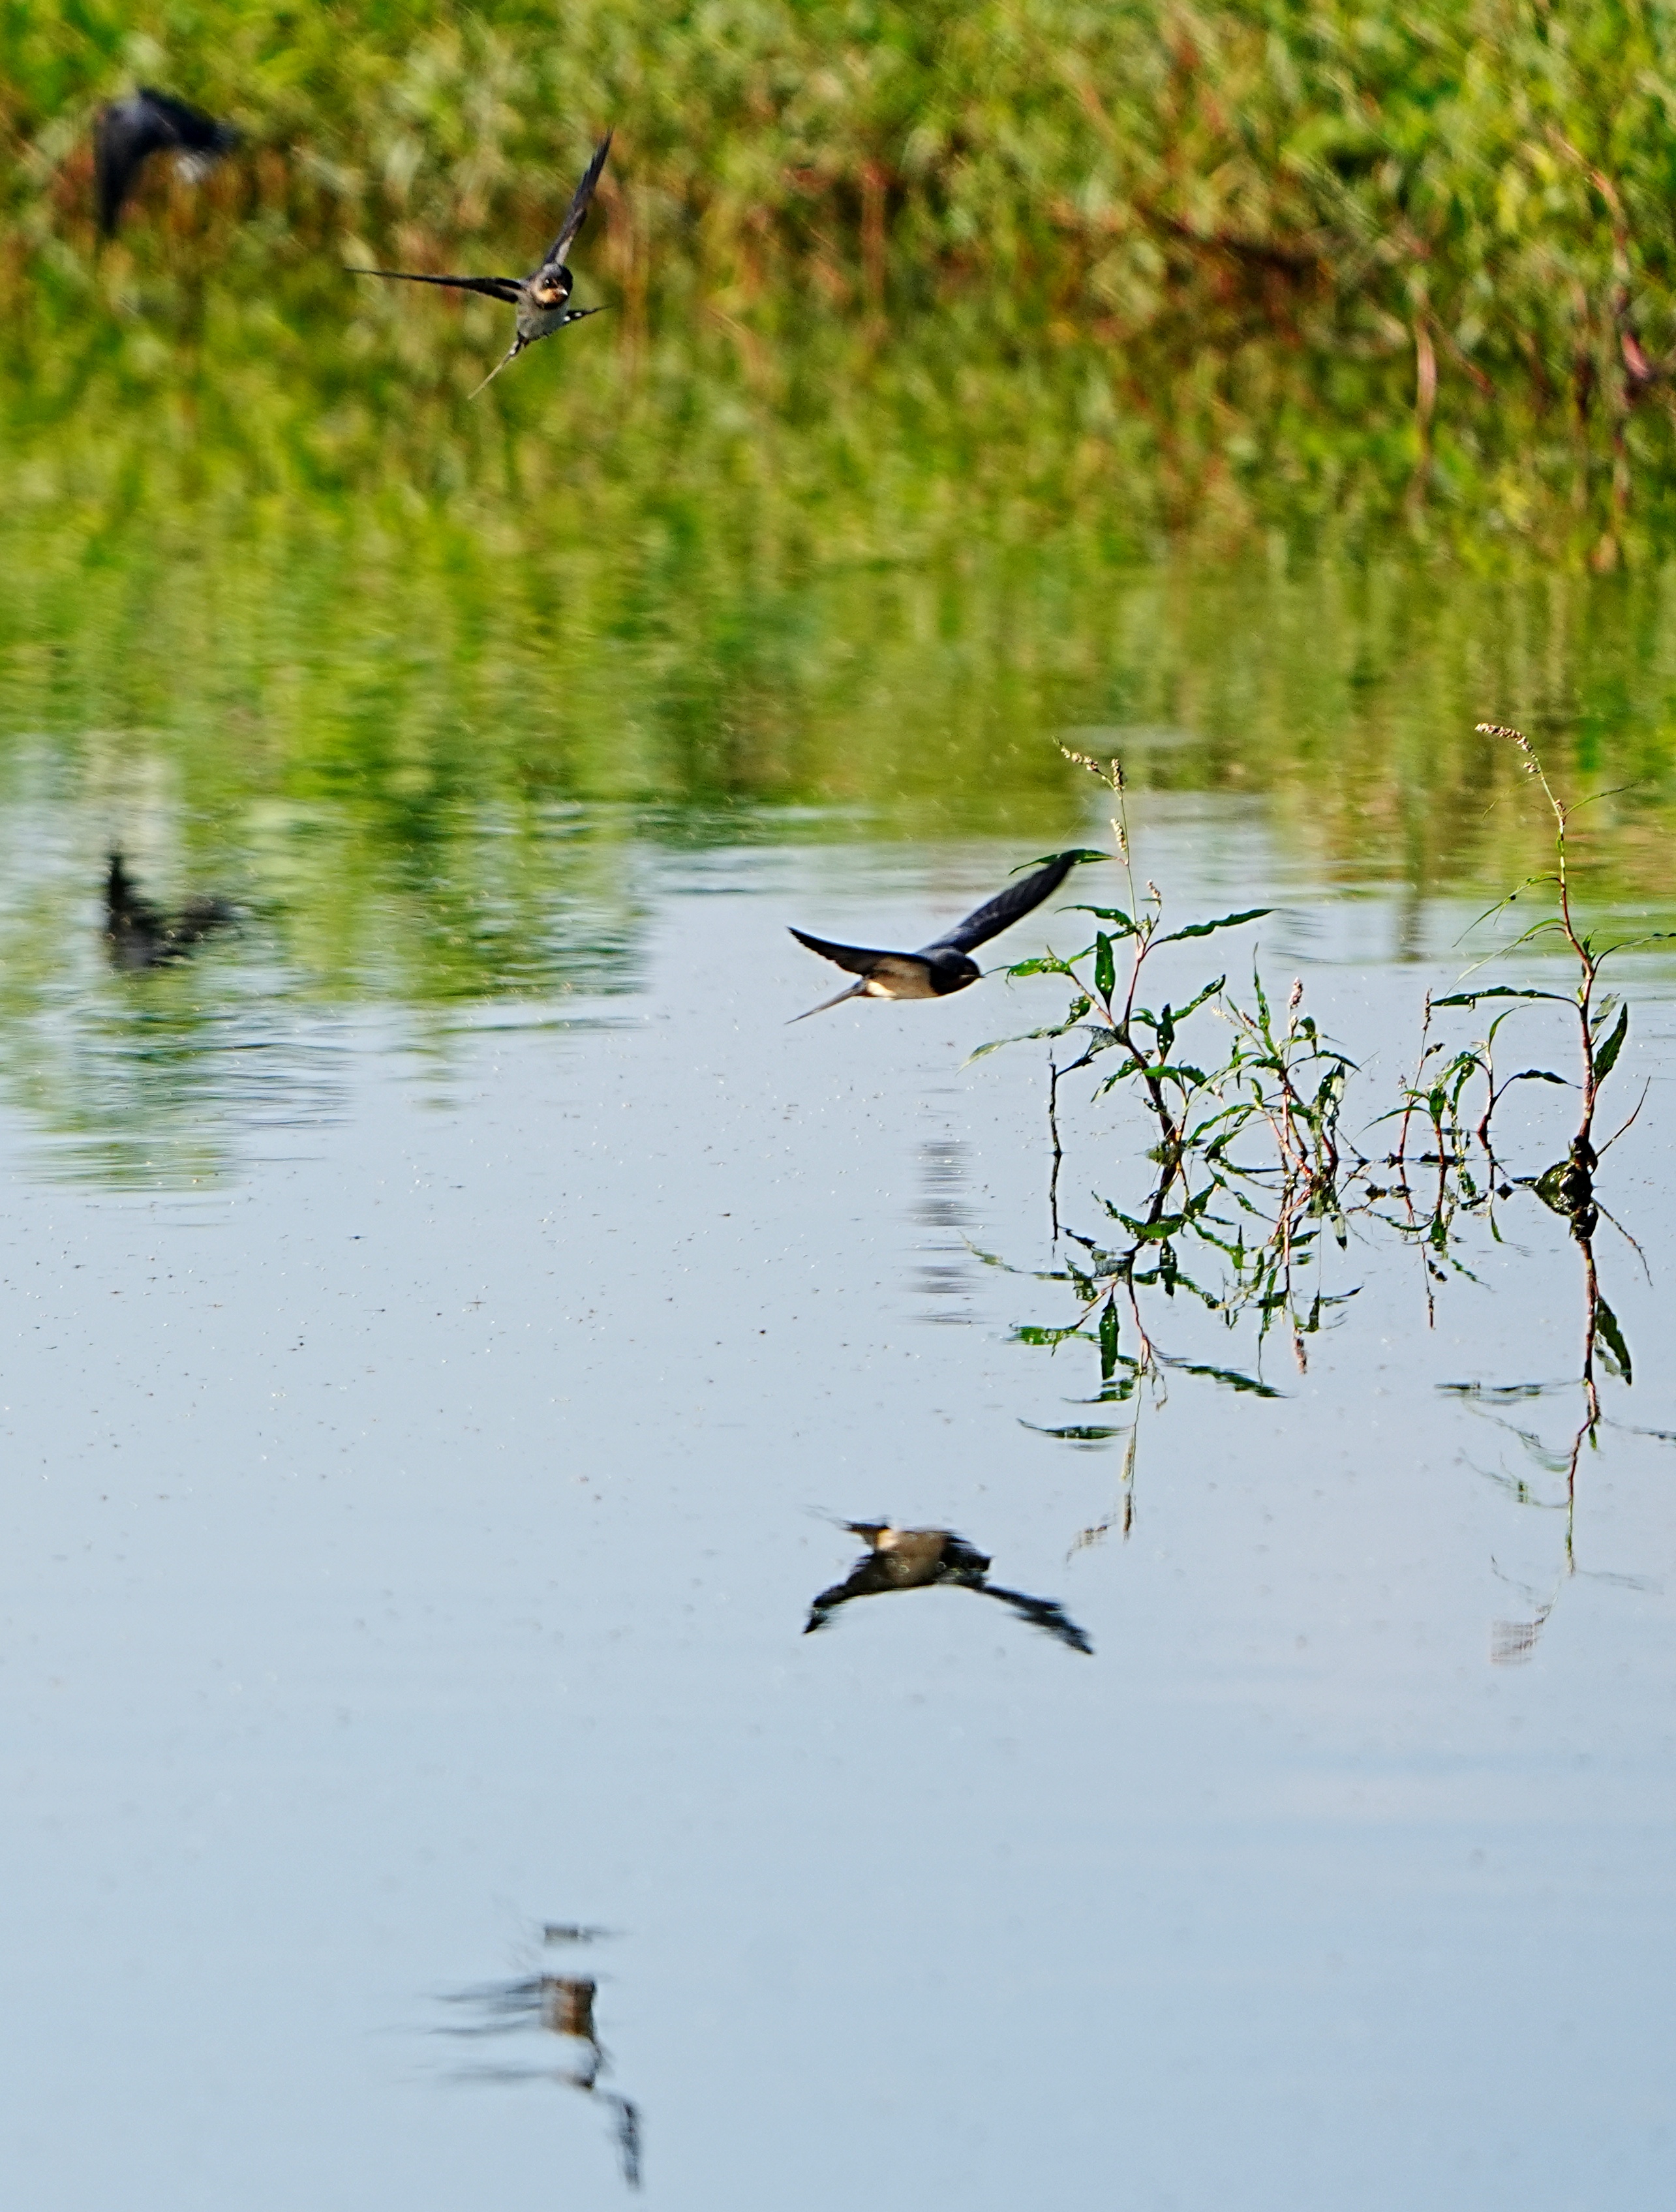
447, 1318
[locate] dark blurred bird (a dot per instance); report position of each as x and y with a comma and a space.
946, 964
142, 935
540, 298
129, 131
917, 1558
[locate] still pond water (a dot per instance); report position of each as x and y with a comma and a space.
449, 1317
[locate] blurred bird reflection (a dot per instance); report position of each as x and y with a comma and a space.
142, 935
559, 2005
922, 1558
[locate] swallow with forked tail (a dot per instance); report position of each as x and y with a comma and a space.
541, 299
946, 964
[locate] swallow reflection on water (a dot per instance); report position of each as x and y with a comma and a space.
559, 2005
129, 131
922, 1558
142, 935
541, 298
945, 964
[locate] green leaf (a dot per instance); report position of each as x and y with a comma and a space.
1607, 1322
1108, 1341
1197, 1000
1105, 967
1148, 1233
1607, 1059
1048, 963
1231, 1377
1029, 1036
1222, 921
1024, 1036
1499, 990
1130, 1067
1127, 926
1046, 860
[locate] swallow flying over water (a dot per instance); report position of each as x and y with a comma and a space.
149, 121
946, 965
541, 298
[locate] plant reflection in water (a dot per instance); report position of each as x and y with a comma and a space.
559, 2005
926, 1559
1242, 1235
1567, 1189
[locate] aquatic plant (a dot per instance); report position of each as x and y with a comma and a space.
1257, 1220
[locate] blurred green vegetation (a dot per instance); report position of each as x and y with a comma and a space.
875, 268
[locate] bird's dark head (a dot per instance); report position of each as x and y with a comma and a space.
952, 971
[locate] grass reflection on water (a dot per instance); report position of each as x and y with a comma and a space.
418, 746
389, 665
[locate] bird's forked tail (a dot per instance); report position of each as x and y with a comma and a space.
510, 354
855, 991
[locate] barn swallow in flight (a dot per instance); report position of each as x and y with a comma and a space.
539, 298
946, 964
917, 1559
130, 130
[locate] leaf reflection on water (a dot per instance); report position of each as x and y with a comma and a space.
1109, 1286
1566, 1189
1250, 1227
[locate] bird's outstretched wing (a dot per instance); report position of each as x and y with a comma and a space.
187, 127
505, 288
1006, 907
118, 148
129, 131
577, 213
859, 959
1043, 1613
